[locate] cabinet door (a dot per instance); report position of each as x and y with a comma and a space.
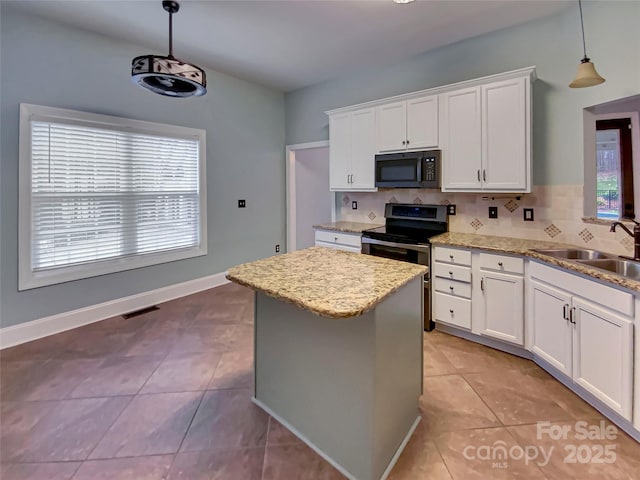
339, 151
363, 150
422, 123
502, 298
602, 355
461, 140
504, 139
391, 127
551, 332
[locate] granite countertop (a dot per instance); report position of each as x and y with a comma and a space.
524, 247
347, 227
328, 282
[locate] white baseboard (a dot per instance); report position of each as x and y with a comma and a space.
42, 327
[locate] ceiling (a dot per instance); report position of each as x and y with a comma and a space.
294, 43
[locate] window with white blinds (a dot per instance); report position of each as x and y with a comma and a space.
103, 194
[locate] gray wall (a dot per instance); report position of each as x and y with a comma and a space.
49, 64
552, 44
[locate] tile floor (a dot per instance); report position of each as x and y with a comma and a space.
167, 396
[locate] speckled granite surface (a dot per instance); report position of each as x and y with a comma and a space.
347, 227
328, 282
524, 247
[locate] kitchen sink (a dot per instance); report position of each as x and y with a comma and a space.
574, 253
626, 268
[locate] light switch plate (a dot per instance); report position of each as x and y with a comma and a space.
527, 214
354, 205
493, 212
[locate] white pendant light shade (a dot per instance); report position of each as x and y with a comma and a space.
586, 75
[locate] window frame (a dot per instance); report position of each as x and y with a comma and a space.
27, 278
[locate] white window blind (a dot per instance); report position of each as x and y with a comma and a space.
108, 194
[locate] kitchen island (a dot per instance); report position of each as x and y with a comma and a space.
338, 352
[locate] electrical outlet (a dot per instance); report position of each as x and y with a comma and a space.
451, 209
354, 205
493, 212
242, 203
278, 248
527, 214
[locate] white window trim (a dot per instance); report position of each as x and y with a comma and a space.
28, 279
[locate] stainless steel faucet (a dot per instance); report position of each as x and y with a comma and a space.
635, 234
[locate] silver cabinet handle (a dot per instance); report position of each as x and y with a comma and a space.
478, 174
484, 175
565, 311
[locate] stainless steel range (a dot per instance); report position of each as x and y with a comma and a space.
405, 236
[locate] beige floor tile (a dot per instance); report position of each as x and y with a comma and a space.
576, 457
297, 462
153, 467
488, 453
39, 471
239, 464
449, 403
183, 372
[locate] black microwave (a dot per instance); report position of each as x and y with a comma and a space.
408, 169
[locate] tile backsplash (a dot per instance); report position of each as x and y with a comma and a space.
558, 214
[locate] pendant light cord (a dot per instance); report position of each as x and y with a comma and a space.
171, 34
584, 45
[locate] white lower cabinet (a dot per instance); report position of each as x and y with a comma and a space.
451, 280
498, 297
502, 301
588, 342
350, 242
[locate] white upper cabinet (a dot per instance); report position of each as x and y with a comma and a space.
486, 137
482, 126
407, 124
352, 150
461, 140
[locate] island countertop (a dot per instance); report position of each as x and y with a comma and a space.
328, 282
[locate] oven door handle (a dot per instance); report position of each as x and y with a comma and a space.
406, 246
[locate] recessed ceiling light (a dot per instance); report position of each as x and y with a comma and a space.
403, 1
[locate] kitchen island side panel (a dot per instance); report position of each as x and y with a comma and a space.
398, 371
351, 386
316, 374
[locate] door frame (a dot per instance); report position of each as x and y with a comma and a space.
290, 172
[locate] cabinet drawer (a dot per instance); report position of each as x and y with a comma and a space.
452, 272
453, 255
501, 263
451, 287
452, 310
350, 239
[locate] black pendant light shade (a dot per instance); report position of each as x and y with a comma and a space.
168, 75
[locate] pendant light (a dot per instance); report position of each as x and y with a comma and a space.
586, 75
168, 75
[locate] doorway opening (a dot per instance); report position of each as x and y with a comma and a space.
309, 201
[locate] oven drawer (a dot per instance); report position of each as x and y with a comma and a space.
350, 239
451, 287
453, 255
502, 263
452, 310
451, 272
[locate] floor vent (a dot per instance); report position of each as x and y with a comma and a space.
137, 313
